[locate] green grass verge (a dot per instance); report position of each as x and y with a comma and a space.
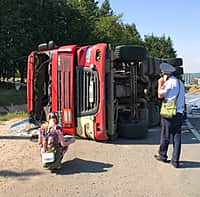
9, 116
9, 95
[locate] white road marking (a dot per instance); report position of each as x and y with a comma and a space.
193, 130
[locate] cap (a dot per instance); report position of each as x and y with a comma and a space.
167, 68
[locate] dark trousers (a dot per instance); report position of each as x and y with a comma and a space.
171, 127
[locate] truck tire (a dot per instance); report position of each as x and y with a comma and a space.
179, 71
144, 116
42, 47
130, 53
175, 61
51, 45
132, 130
154, 119
151, 66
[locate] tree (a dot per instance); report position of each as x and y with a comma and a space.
160, 47
84, 20
25, 24
110, 29
105, 9
22, 29
131, 35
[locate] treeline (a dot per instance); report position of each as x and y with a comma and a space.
25, 24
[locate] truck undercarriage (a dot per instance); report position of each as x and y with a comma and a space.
133, 103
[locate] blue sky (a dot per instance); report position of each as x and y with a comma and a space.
175, 18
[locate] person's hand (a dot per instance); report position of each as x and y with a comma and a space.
160, 82
165, 77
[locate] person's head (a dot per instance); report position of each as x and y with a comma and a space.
53, 117
167, 69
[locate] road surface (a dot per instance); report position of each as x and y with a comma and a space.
117, 169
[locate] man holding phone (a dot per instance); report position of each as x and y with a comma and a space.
168, 88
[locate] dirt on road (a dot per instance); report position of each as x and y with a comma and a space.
121, 168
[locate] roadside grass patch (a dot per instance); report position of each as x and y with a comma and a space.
9, 116
9, 95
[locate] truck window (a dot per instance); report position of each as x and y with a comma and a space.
87, 91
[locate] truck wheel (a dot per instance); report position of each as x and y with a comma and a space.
42, 47
130, 53
154, 119
175, 61
144, 116
51, 45
179, 71
132, 130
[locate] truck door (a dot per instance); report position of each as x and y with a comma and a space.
90, 77
30, 71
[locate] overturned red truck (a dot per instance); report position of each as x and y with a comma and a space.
99, 92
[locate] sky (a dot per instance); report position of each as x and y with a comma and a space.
178, 19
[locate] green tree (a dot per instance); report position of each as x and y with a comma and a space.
84, 20
110, 28
8, 35
22, 29
105, 9
25, 24
131, 35
160, 47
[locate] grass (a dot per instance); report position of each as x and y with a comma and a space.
9, 95
10, 116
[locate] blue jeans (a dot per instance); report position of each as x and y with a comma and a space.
171, 127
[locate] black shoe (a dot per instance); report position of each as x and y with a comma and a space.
160, 159
175, 164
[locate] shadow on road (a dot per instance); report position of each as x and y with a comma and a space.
153, 138
10, 173
7, 137
82, 166
189, 164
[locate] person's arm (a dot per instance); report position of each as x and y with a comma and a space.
40, 136
62, 140
160, 85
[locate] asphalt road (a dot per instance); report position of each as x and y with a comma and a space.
195, 121
116, 169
